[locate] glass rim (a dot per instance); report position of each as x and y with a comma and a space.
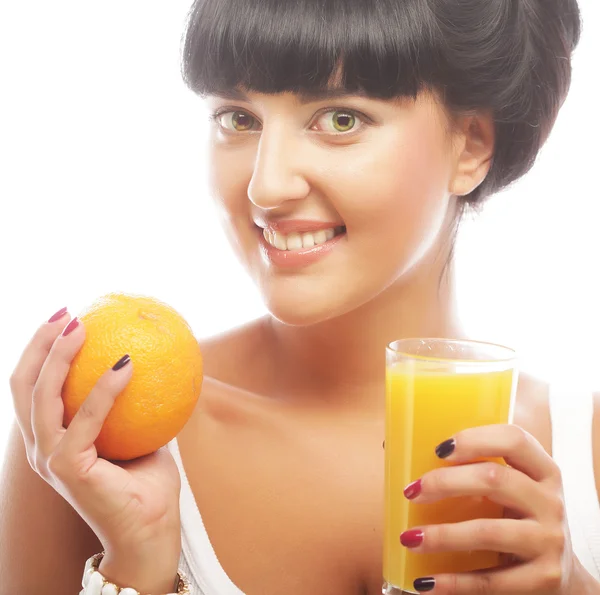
510, 353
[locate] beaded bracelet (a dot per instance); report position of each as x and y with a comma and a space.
94, 583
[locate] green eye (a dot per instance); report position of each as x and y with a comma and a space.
343, 121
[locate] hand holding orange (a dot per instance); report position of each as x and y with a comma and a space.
167, 373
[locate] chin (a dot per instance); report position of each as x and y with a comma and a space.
299, 313
319, 303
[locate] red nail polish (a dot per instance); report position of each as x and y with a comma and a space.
412, 490
412, 538
70, 327
58, 315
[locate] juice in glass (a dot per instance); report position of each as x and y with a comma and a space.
435, 389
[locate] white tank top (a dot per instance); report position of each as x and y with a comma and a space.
572, 449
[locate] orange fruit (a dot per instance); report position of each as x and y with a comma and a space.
166, 379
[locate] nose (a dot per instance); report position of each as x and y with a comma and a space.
277, 177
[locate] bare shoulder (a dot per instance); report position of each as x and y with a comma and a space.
532, 409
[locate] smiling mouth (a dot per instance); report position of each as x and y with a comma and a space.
301, 241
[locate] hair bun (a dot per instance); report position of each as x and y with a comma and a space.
545, 35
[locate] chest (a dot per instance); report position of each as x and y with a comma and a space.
291, 507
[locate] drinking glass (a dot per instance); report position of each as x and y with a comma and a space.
436, 388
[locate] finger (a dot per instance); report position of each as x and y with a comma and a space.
522, 538
28, 368
499, 483
47, 407
541, 577
518, 448
90, 417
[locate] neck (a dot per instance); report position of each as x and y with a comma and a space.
346, 355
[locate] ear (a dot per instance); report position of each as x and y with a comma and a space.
474, 143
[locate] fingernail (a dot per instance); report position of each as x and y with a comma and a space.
412, 490
413, 538
423, 585
445, 449
71, 327
121, 363
58, 315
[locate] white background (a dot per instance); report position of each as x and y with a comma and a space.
102, 189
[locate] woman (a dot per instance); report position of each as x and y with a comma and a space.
348, 138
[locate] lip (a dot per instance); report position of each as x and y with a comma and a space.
298, 258
288, 226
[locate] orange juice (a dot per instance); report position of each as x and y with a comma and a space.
425, 407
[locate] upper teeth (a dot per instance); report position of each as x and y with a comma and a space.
297, 241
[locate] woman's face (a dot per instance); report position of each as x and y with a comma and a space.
330, 202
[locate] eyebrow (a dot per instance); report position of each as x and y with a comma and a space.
304, 97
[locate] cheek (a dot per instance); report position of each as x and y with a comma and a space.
397, 193
417, 193
228, 172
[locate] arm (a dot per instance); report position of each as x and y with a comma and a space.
44, 543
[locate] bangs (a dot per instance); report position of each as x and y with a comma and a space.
381, 48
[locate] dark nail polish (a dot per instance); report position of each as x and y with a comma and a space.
71, 327
423, 585
121, 363
445, 449
58, 315
413, 538
412, 490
